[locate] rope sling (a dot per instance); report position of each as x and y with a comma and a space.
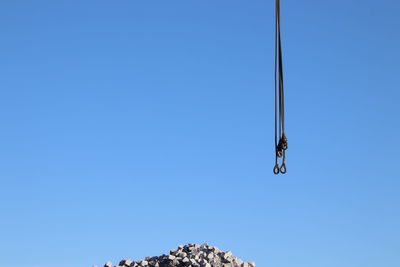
281, 143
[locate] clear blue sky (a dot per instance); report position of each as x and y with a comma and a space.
131, 127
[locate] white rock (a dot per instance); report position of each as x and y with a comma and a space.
191, 255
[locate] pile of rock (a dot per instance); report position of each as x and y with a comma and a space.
189, 256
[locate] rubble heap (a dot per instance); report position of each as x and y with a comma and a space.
189, 256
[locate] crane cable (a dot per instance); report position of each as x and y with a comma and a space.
281, 143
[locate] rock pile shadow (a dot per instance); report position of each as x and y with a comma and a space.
189, 256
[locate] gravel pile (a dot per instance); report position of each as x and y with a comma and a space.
189, 256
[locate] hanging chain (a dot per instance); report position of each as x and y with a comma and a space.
281, 143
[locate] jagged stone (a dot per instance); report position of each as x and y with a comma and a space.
191, 255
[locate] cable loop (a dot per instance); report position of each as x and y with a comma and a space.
282, 169
276, 169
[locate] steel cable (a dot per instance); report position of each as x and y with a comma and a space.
281, 143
